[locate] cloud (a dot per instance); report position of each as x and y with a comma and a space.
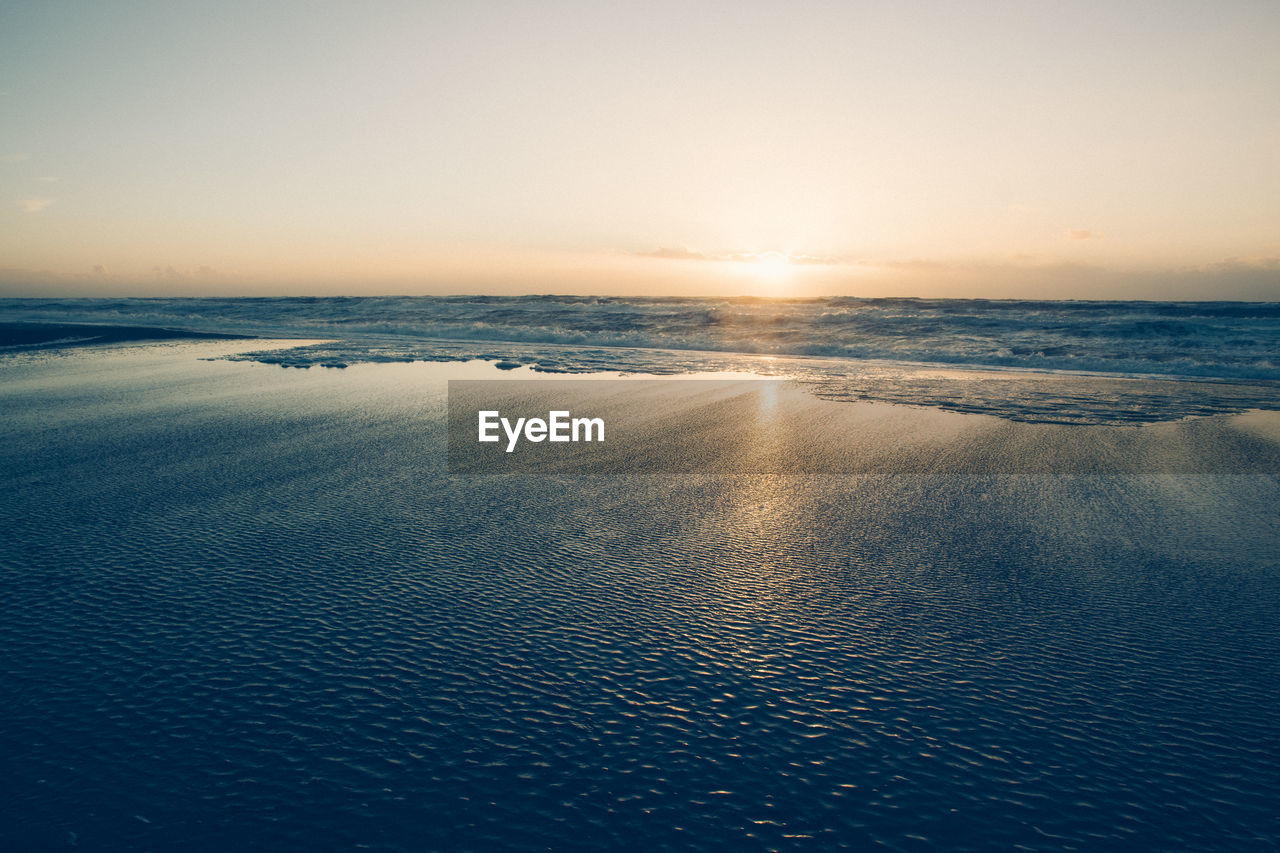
14, 158
101, 280
170, 273
48, 179
822, 260
912, 265
1082, 234
737, 257
34, 205
675, 255
1253, 279
1262, 269
754, 257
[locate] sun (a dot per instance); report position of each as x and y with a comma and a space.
771, 269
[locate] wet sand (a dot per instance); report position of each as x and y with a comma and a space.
59, 335
731, 426
243, 606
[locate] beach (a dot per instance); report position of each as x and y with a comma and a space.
688, 427
247, 606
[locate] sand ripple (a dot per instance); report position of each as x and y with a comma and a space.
236, 623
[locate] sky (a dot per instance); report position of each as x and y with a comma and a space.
989, 149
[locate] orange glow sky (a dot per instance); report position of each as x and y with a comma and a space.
1007, 149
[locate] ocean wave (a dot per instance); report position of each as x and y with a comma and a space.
1217, 340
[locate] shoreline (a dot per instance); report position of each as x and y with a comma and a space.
692, 423
1011, 394
26, 337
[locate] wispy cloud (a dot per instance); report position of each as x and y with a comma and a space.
675, 255
34, 205
1256, 278
100, 280
683, 254
1081, 234
912, 265
14, 157
170, 273
1245, 265
825, 260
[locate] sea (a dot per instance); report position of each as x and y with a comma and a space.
247, 606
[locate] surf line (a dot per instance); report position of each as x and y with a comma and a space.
558, 426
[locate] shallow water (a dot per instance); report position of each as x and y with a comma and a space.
241, 606
843, 347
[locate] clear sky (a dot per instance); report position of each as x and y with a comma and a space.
1023, 148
